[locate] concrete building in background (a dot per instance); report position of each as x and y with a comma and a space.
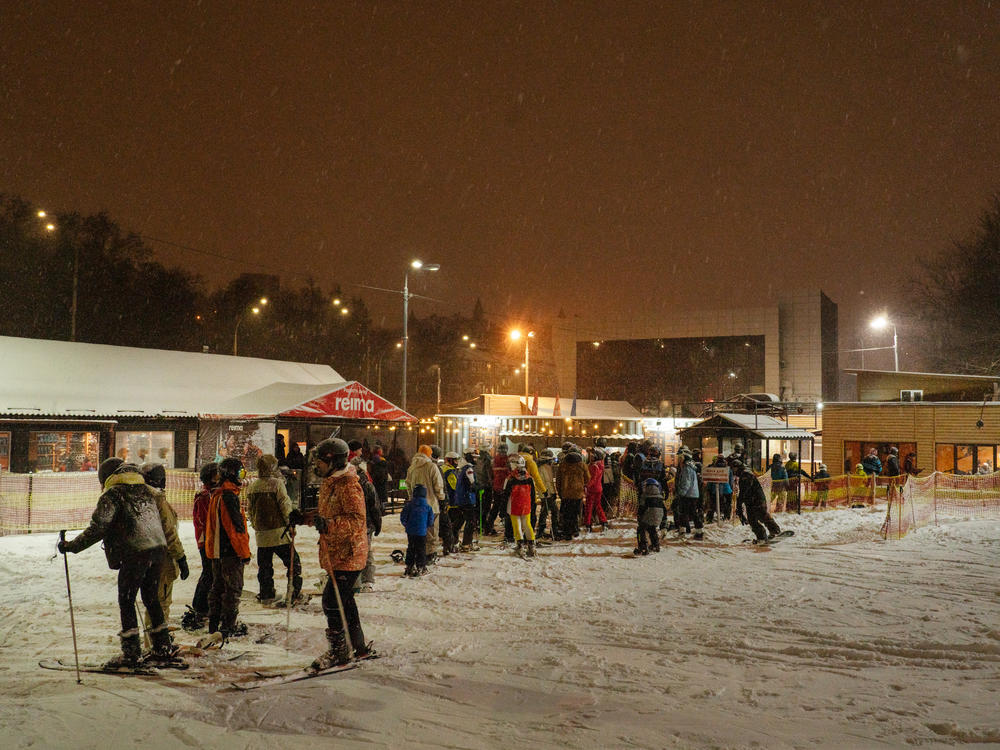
788, 349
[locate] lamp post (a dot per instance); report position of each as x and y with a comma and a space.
880, 323
256, 311
416, 266
516, 335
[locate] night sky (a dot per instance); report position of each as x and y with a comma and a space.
601, 157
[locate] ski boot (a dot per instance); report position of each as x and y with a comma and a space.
422, 571
698, 535
336, 655
193, 619
131, 655
410, 572
519, 549
266, 597
531, 548
238, 630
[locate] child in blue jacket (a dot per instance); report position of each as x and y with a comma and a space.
416, 517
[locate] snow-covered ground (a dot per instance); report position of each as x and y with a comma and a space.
832, 638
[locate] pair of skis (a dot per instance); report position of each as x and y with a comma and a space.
306, 673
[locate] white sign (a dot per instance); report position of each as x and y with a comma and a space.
715, 473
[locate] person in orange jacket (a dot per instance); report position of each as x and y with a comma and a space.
227, 547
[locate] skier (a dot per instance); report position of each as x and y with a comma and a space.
197, 612
373, 514
465, 505
821, 479
227, 545
416, 517
269, 509
343, 550
752, 505
571, 481
501, 470
450, 512
520, 492
650, 512
548, 503
484, 481
424, 471
127, 521
595, 488
686, 490
174, 562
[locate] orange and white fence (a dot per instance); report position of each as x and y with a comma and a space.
66, 500
922, 501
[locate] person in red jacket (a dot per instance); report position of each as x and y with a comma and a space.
227, 546
501, 470
520, 492
197, 612
595, 486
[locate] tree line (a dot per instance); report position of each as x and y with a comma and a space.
124, 296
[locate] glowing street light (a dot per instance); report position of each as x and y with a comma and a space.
515, 335
416, 265
881, 323
256, 310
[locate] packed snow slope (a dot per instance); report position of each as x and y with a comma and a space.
831, 639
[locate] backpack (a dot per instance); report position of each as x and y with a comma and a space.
373, 506
651, 468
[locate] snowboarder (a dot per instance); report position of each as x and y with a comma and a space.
127, 521
227, 546
416, 517
340, 519
752, 504
269, 508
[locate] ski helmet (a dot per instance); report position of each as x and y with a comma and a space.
231, 469
651, 488
519, 463
327, 450
107, 468
208, 472
155, 475
451, 455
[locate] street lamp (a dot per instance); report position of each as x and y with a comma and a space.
256, 311
416, 266
515, 335
880, 323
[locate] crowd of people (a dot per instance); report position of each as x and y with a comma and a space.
453, 501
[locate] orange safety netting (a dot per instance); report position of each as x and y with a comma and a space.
927, 500
66, 500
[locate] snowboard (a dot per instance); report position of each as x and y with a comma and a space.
298, 675
774, 540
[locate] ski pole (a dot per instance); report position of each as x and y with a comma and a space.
72, 620
289, 592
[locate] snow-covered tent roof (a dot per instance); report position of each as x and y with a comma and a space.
63, 378
499, 405
759, 425
347, 400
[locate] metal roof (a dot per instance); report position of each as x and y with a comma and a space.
63, 378
759, 425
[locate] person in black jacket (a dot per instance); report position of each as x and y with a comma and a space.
128, 522
752, 505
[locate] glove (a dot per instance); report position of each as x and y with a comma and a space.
183, 565
61, 546
320, 523
295, 518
